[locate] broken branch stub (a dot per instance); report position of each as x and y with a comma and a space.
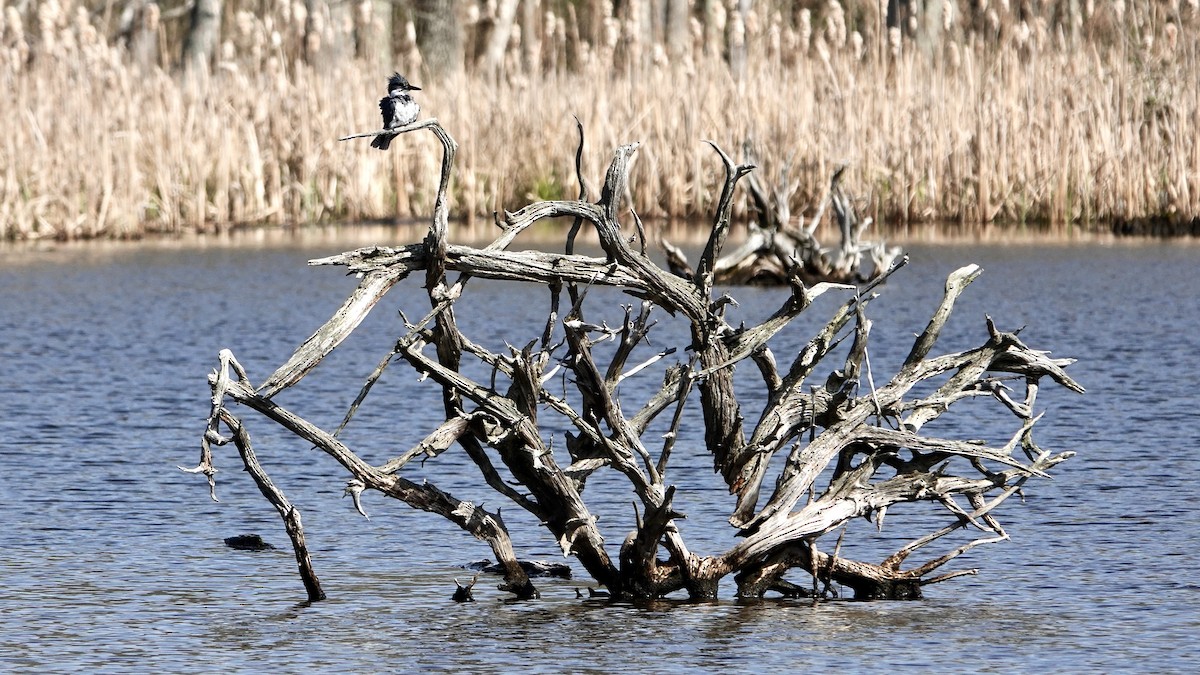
854, 442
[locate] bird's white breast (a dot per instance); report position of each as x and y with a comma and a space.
407, 111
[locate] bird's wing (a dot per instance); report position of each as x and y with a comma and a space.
388, 107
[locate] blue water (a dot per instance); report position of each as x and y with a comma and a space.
113, 560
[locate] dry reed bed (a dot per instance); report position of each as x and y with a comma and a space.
1011, 131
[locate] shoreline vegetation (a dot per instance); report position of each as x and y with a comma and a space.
1061, 117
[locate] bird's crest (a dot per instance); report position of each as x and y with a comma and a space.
398, 81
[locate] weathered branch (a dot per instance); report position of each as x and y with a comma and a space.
290, 514
473, 519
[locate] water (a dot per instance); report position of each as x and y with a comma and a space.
113, 560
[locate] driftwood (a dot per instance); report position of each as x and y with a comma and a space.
248, 542
463, 593
818, 413
777, 250
534, 568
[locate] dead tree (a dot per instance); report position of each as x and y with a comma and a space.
776, 249
819, 413
202, 35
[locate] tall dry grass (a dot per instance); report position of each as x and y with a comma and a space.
1015, 122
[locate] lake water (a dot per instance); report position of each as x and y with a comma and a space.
111, 559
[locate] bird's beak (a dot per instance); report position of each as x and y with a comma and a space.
414, 87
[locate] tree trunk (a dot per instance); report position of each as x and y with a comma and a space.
439, 37
735, 37
371, 24
203, 33
678, 30
530, 46
139, 29
497, 44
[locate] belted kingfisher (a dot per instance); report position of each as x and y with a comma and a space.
398, 108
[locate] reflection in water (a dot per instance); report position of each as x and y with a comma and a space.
113, 559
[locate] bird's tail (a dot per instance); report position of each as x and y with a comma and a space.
382, 141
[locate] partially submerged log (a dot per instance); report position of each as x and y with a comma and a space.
534, 568
817, 411
463, 593
248, 542
776, 249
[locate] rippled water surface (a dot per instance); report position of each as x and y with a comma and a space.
111, 559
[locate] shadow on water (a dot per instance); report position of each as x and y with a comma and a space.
113, 560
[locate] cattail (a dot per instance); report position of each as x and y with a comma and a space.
412, 55
364, 15
805, 30
719, 17
774, 37
585, 54
955, 58
299, 17
835, 25
88, 36
753, 24
66, 40
244, 23
1022, 35
1119, 9
555, 37
48, 15
822, 49
857, 46
516, 42
285, 12
16, 28
789, 45
737, 32
949, 15
1172, 32
1041, 31
894, 41
612, 33
659, 56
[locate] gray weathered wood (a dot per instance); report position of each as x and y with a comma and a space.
854, 439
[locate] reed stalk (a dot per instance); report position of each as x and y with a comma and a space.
1064, 124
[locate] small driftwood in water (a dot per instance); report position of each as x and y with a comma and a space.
853, 442
534, 568
463, 593
776, 250
248, 542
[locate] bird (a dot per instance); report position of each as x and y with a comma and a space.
398, 108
